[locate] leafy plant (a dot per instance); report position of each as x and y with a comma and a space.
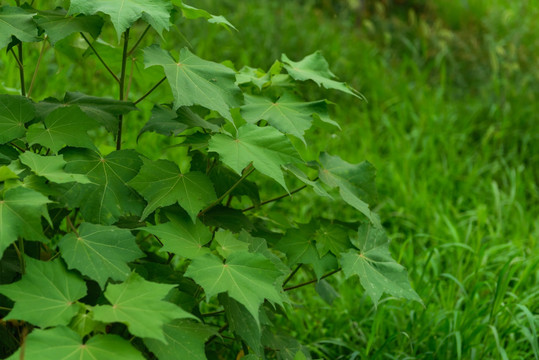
108, 251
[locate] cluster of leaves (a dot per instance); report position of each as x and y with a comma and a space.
119, 256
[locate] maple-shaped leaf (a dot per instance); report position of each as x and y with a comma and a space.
58, 25
355, 182
331, 237
17, 22
289, 114
15, 111
265, 147
228, 243
315, 67
108, 197
139, 304
63, 126
46, 294
249, 278
181, 236
100, 252
63, 343
195, 81
123, 14
162, 183
183, 337
190, 12
51, 167
103, 110
377, 271
20, 215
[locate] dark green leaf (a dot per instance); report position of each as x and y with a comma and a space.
15, 111
16, 22
326, 291
58, 25
100, 252
227, 218
242, 323
7, 154
195, 81
162, 184
46, 294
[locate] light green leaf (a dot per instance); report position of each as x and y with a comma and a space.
20, 215
180, 236
139, 304
103, 110
15, 111
63, 126
58, 25
162, 184
108, 197
195, 81
314, 67
377, 271
190, 12
248, 278
51, 167
100, 252
7, 174
123, 14
229, 243
46, 294
184, 337
65, 344
83, 323
17, 22
315, 184
265, 147
289, 114
355, 182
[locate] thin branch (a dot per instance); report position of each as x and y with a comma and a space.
292, 274
150, 91
138, 41
100, 58
276, 198
17, 146
68, 221
122, 88
213, 313
37, 67
223, 328
130, 81
16, 58
246, 172
311, 281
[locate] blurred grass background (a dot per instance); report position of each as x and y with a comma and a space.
452, 125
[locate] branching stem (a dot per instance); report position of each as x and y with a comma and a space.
100, 58
130, 52
150, 91
122, 88
311, 281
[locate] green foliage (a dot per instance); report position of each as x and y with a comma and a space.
108, 253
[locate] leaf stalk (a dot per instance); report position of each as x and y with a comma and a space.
122, 89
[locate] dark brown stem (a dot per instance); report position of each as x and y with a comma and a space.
138, 41
68, 221
100, 58
150, 91
311, 281
292, 274
276, 198
122, 89
17, 146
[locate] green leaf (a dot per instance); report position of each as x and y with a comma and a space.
246, 277
7, 174
123, 14
184, 337
139, 304
63, 343
377, 271
355, 182
17, 22
46, 294
265, 147
190, 12
7, 154
227, 218
229, 243
15, 111
108, 197
58, 25
103, 110
63, 126
314, 67
316, 185
20, 215
171, 123
100, 252
195, 81
223, 179
180, 236
83, 323
51, 167
242, 323
331, 237
289, 114
162, 183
